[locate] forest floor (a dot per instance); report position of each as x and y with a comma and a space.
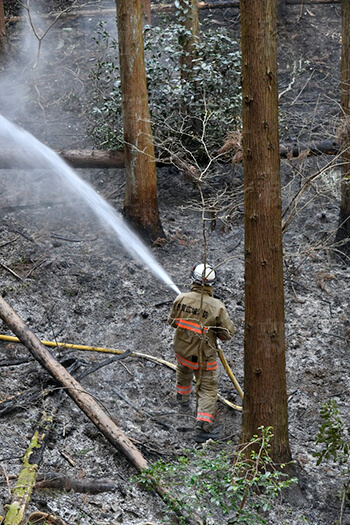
75, 284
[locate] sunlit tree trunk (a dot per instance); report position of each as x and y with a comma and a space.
343, 233
3, 39
265, 397
140, 204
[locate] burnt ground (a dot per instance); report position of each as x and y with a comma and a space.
79, 286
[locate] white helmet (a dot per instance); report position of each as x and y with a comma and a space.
200, 271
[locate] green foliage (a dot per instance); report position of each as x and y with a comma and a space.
230, 487
334, 438
213, 93
332, 435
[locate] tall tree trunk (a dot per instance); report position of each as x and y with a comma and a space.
343, 233
189, 36
265, 396
140, 204
146, 12
3, 39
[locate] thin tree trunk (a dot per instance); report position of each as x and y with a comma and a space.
265, 396
343, 233
140, 204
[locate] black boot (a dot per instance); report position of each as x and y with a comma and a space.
205, 431
183, 403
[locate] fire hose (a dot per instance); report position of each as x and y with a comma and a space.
70, 346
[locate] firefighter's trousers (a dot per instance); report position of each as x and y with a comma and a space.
207, 391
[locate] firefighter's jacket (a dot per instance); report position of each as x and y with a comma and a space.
199, 319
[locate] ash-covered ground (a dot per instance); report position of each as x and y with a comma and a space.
71, 281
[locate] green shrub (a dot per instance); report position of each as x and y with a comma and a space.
231, 487
212, 95
334, 438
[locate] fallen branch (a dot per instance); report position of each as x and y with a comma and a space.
73, 388
115, 159
86, 403
18, 277
23, 489
51, 480
44, 518
20, 400
103, 363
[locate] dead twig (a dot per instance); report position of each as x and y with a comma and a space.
67, 458
18, 277
8, 242
103, 363
42, 517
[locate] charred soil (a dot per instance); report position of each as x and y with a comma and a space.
70, 281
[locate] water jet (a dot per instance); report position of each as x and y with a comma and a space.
34, 154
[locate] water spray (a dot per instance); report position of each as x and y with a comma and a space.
35, 154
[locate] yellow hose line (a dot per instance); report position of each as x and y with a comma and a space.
53, 344
229, 372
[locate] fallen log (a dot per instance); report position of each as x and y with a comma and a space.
97, 159
88, 405
23, 489
52, 480
325, 147
84, 400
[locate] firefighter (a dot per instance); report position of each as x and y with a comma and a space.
199, 319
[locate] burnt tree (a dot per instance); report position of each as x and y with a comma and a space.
343, 233
140, 204
265, 396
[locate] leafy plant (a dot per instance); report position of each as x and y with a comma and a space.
230, 487
212, 93
334, 438
332, 435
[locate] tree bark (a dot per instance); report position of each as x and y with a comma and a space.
140, 204
146, 12
265, 396
3, 38
343, 232
84, 400
188, 37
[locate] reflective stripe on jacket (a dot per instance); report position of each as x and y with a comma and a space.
199, 319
